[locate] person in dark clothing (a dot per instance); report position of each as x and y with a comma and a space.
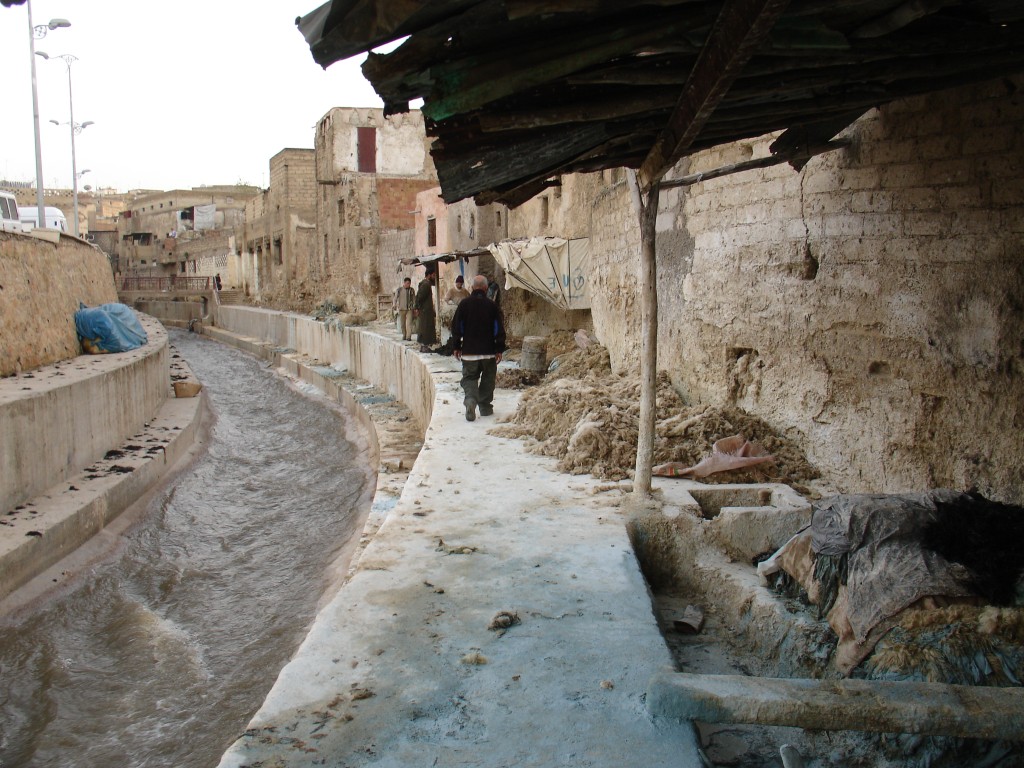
426, 317
478, 340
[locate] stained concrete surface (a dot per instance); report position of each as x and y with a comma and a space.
401, 667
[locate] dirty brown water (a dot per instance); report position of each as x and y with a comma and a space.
162, 652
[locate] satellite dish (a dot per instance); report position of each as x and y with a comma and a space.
87, 187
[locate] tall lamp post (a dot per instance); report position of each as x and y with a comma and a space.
76, 128
38, 33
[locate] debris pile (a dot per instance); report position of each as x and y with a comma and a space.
587, 416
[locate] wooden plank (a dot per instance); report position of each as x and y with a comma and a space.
750, 165
740, 28
933, 709
472, 82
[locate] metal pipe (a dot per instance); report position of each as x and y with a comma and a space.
74, 164
41, 210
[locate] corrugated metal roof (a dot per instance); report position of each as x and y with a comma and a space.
517, 91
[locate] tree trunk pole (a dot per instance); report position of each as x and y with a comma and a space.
648, 214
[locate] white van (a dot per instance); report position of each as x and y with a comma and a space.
55, 218
10, 218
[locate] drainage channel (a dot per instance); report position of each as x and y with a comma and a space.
160, 654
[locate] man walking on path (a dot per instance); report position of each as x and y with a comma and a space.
404, 303
478, 339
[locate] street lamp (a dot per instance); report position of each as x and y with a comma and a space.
76, 128
38, 33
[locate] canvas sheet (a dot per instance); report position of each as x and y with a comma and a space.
554, 268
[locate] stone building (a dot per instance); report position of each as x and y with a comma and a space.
181, 232
276, 258
368, 171
460, 228
869, 306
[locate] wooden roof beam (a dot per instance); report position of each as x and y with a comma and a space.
798, 155
740, 28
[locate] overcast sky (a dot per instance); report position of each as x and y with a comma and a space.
181, 94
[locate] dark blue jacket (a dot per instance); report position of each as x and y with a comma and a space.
478, 328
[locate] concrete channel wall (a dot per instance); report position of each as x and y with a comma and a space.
363, 354
57, 420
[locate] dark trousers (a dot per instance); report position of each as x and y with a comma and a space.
478, 380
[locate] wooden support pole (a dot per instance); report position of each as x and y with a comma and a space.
935, 709
648, 214
739, 29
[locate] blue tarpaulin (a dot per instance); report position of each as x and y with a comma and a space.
109, 328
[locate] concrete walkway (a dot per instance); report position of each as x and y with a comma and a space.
498, 617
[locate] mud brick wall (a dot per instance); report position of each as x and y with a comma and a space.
41, 285
871, 305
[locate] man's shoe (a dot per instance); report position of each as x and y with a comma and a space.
471, 410
486, 410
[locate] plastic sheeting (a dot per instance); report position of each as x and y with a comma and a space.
205, 216
554, 268
888, 568
109, 328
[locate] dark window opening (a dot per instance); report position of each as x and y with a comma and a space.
431, 232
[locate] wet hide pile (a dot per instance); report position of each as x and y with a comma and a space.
900, 567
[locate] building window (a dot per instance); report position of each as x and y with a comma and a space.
366, 149
458, 224
431, 232
497, 218
276, 250
341, 211
472, 225
544, 211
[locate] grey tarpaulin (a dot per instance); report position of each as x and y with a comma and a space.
888, 568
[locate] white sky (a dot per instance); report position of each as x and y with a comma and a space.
181, 93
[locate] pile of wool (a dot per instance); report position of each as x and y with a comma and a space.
515, 378
587, 416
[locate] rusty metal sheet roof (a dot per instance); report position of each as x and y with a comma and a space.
518, 91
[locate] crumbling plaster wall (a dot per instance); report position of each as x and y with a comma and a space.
280, 235
871, 305
357, 211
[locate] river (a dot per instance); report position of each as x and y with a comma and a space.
161, 652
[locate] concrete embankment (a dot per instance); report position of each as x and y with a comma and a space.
82, 440
497, 617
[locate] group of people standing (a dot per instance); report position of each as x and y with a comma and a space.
477, 332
